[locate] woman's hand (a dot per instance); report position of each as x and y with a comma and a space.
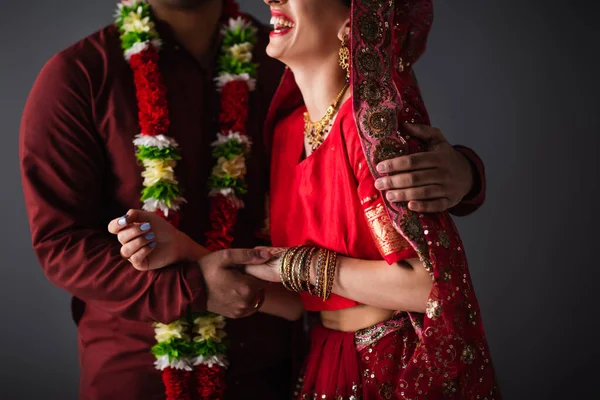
150, 242
268, 271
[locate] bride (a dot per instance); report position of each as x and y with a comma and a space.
398, 316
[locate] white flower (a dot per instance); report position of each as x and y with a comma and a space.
241, 52
158, 170
238, 23
209, 328
153, 204
218, 321
225, 78
163, 362
236, 167
166, 332
211, 361
222, 139
138, 47
160, 141
136, 22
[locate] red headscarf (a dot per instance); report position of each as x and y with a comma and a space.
387, 38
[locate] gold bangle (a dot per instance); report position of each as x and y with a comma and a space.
307, 269
331, 274
321, 272
299, 267
284, 267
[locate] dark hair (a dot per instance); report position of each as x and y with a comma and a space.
347, 3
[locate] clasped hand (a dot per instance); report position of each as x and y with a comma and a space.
149, 242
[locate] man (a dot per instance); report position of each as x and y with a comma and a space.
79, 171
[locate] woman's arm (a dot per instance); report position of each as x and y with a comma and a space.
403, 286
280, 302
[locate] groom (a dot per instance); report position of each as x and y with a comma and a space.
79, 171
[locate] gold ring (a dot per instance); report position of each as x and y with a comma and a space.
260, 300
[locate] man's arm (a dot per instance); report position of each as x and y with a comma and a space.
64, 169
442, 178
476, 196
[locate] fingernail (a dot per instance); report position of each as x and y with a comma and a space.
152, 244
265, 254
379, 184
123, 220
381, 167
145, 226
390, 196
150, 236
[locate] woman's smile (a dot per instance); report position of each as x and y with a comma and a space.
282, 24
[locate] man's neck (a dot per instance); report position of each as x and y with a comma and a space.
320, 85
194, 28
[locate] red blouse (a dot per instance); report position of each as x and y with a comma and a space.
328, 199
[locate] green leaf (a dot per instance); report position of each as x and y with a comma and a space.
229, 149
229, 64
163, 190
239, 36
239, 185
173, 348
156, 153
209, 348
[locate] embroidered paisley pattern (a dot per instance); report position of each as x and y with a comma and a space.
452, 358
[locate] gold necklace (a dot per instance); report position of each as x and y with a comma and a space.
315, 132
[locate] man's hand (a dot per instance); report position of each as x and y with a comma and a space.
230, 292
432, 181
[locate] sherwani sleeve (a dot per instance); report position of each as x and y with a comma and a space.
475, 198
64, 170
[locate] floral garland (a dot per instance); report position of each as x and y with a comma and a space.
191, 352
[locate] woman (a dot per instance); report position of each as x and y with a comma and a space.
387, 329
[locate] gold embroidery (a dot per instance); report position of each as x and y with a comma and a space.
433, 309
369, 199
387, 149
379, 122
387, 239
370, 28
444, 239
468, 355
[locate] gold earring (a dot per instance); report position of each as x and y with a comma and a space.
345, 57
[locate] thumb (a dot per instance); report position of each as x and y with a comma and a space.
139, 216
248, 256
425, 133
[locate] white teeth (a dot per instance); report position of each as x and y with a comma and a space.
280, 23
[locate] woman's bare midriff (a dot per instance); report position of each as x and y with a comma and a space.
355, 318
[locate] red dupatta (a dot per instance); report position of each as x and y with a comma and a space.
387, 38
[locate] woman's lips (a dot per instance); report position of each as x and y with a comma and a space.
282, 24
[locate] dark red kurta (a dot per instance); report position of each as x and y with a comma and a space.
79, 171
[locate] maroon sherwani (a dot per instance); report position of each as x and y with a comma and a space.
80, 171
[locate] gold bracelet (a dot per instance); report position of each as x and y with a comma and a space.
295, 268
299, 268
331, 274
285, 266
307, 269
321, 272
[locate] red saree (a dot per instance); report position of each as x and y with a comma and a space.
444, 353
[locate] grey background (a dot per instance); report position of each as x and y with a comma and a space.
516, 80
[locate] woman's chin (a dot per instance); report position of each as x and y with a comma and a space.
274, 51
